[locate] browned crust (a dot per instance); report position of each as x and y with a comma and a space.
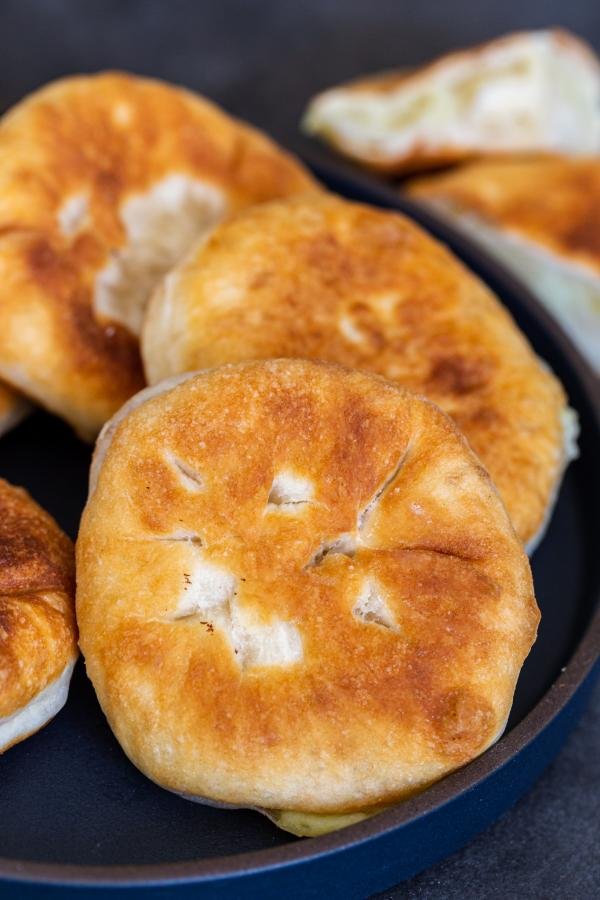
368, 714
279, 280
37, 586
552, 202
65, 140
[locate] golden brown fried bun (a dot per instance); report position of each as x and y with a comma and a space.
105, 181
38, 642
541, 217
323, 278
13, 408
533, 91
298, 590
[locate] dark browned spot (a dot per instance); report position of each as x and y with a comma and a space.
105, 344
260, 280
42, 261
323, 254
459, 374
584, 234
17, 548
108, 185
463, 722
484, 416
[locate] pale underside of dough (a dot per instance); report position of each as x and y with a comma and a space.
570, 422
308, 824
41, 708
530, 92
569, 290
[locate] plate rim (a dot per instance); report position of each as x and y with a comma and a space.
579, 668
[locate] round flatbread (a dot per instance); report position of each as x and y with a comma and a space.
38, 640
298, 590
105, 182
324, 278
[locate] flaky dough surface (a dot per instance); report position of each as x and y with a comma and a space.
105, 181
323, 278
298, 589
38, 642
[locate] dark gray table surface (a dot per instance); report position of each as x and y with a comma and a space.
262, 60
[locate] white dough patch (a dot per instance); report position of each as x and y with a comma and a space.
371, 607
345, 545
530, 92
277, 644
289, 490
570, 451
182, 535
72, 214
350, 331
190, 479
209, 590
43, 707
210, 594
162, 225
385, 304
570, 423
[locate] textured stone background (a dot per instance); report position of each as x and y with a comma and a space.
262, 60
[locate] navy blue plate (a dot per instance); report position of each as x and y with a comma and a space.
75, 815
